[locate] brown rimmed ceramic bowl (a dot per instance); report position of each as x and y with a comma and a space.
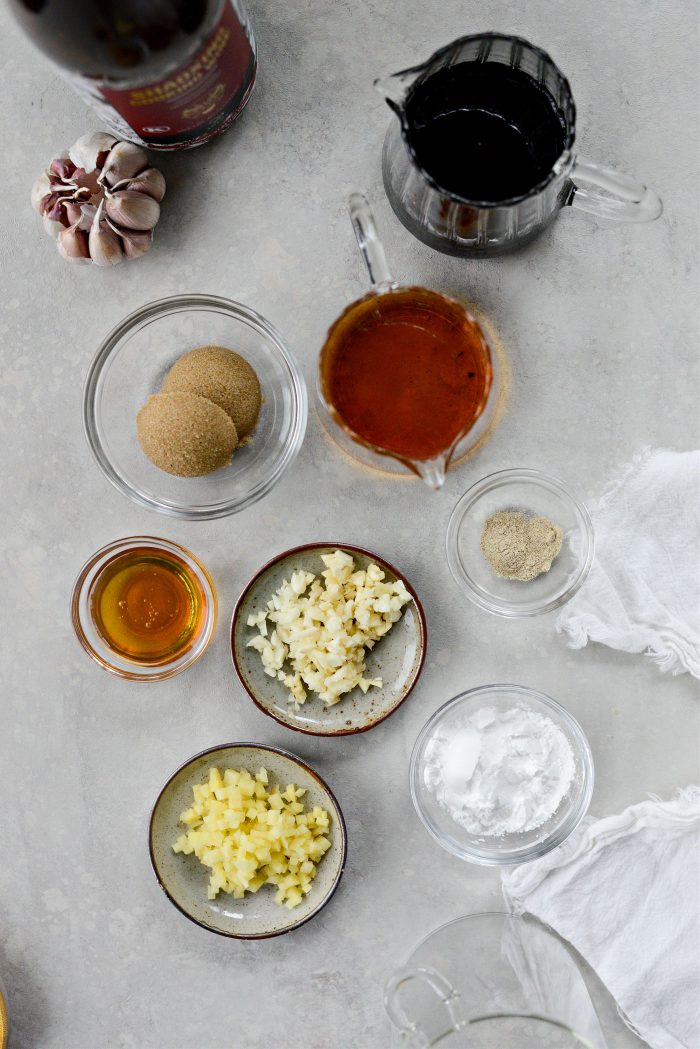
4, 1021
397, 658
184, 879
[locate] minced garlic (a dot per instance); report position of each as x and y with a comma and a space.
322, 629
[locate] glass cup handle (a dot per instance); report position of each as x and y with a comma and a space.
437, 983
601, 190
368, 240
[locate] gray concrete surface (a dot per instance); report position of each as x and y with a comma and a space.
600, 326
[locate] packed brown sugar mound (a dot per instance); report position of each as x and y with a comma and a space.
185, 434
223, 377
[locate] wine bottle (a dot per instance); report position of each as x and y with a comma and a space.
167, 74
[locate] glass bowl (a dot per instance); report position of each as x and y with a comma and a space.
515, 847
96, 646
131, 364
535, 493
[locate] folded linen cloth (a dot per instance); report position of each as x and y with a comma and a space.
625, 892
643, 591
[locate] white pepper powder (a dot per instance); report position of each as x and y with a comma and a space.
520, 546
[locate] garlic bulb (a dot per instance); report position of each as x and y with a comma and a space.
100, 200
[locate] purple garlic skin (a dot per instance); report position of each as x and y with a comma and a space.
100, 201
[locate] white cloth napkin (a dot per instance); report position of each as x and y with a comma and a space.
643, 591
625, 892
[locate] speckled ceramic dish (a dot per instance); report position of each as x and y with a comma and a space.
397, 658
184, 879
4, 1021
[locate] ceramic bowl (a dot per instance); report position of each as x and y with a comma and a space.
398, 658
131, 364
183, 879
4, 1020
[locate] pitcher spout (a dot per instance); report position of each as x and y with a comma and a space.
395, 88
432, 471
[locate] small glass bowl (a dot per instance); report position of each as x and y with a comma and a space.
93, 642
510, 848
131, 364
534, 493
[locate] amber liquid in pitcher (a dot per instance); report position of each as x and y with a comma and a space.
484, 132
148, 606
407, 371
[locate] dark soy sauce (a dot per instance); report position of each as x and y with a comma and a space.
484, 131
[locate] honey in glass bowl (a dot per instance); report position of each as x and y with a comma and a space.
144, 608
147, 605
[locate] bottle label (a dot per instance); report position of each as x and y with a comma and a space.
201, 96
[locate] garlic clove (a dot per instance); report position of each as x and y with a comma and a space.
62, 167
150, 182
73, 212
54, 208
52, 227
40, 189
72, 244
105, 247
87, 216
137, 244
123, 161
85, 151
132, 210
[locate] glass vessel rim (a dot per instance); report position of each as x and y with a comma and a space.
491, 915
163, 307
529, 919
560, 164
378, 291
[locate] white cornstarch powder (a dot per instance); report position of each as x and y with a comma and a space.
500, 771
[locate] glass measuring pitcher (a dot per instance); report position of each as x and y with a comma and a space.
467, 77
486, 981
407, 381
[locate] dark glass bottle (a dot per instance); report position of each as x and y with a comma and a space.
168, 74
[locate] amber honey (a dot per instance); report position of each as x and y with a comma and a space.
148, 605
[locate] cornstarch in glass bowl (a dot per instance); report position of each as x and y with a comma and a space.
500, 771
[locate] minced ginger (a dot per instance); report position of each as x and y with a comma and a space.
249, 836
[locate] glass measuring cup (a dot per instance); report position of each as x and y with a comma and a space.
462, 226
492, 980
406, 375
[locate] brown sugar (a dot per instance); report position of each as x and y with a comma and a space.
184, 434
223, 377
